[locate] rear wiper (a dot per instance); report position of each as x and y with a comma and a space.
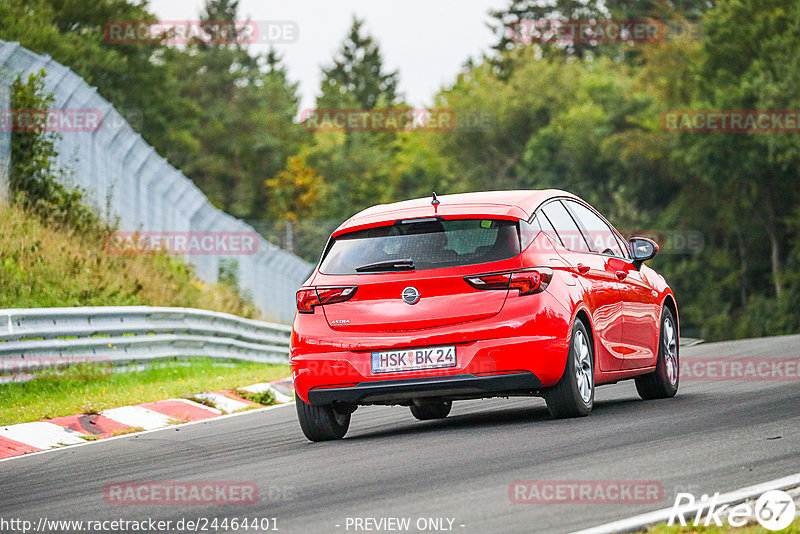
390, 265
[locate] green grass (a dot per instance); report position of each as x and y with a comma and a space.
90, 390
267, 398
755, 528
44, 265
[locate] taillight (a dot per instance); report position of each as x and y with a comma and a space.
332, 295
526, 281
310, 297
489, 281
531, 281
306, 300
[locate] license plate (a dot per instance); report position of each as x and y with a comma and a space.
394, 361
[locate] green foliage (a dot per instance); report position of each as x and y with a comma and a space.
679, 16
223, 117
356, 167
752, 527
576, 116
245, 130
71, 32
228, 273
356, 78
267, 398
748, 62
534, 10
44, 265
35, 182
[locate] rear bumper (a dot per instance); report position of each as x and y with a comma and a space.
449, 387
485, 368
523, 348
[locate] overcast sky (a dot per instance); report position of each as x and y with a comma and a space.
427, 41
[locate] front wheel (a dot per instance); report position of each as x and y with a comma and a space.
573, 396
663, 382
321, 423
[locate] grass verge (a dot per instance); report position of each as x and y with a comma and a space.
44, 265
754, 528
91, 392
267, 398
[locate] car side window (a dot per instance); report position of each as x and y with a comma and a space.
598, 232
547, 227
565, 226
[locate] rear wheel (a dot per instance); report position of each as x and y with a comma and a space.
321, 423
573, 396
424, 410
663, 382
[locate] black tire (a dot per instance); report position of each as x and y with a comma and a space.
321, 423
663, 382
565, 399
425, 410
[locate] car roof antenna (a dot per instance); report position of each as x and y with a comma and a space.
435, 202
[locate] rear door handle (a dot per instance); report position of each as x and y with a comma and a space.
583, 269
622, 275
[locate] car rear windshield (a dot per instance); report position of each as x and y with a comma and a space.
422, 244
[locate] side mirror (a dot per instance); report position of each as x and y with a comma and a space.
642, 249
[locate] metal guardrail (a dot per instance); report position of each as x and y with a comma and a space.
130, 333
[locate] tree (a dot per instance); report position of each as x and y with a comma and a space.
535, 10
510, 26
36, 183
357, 77
245, 107
131, 76
749, 62
296, 190
357, 166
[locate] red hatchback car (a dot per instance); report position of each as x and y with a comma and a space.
424, 302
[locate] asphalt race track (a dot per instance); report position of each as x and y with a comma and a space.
714, 436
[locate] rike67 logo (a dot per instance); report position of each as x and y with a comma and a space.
774, 510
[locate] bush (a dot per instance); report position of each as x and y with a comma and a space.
52, 246
35, 182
